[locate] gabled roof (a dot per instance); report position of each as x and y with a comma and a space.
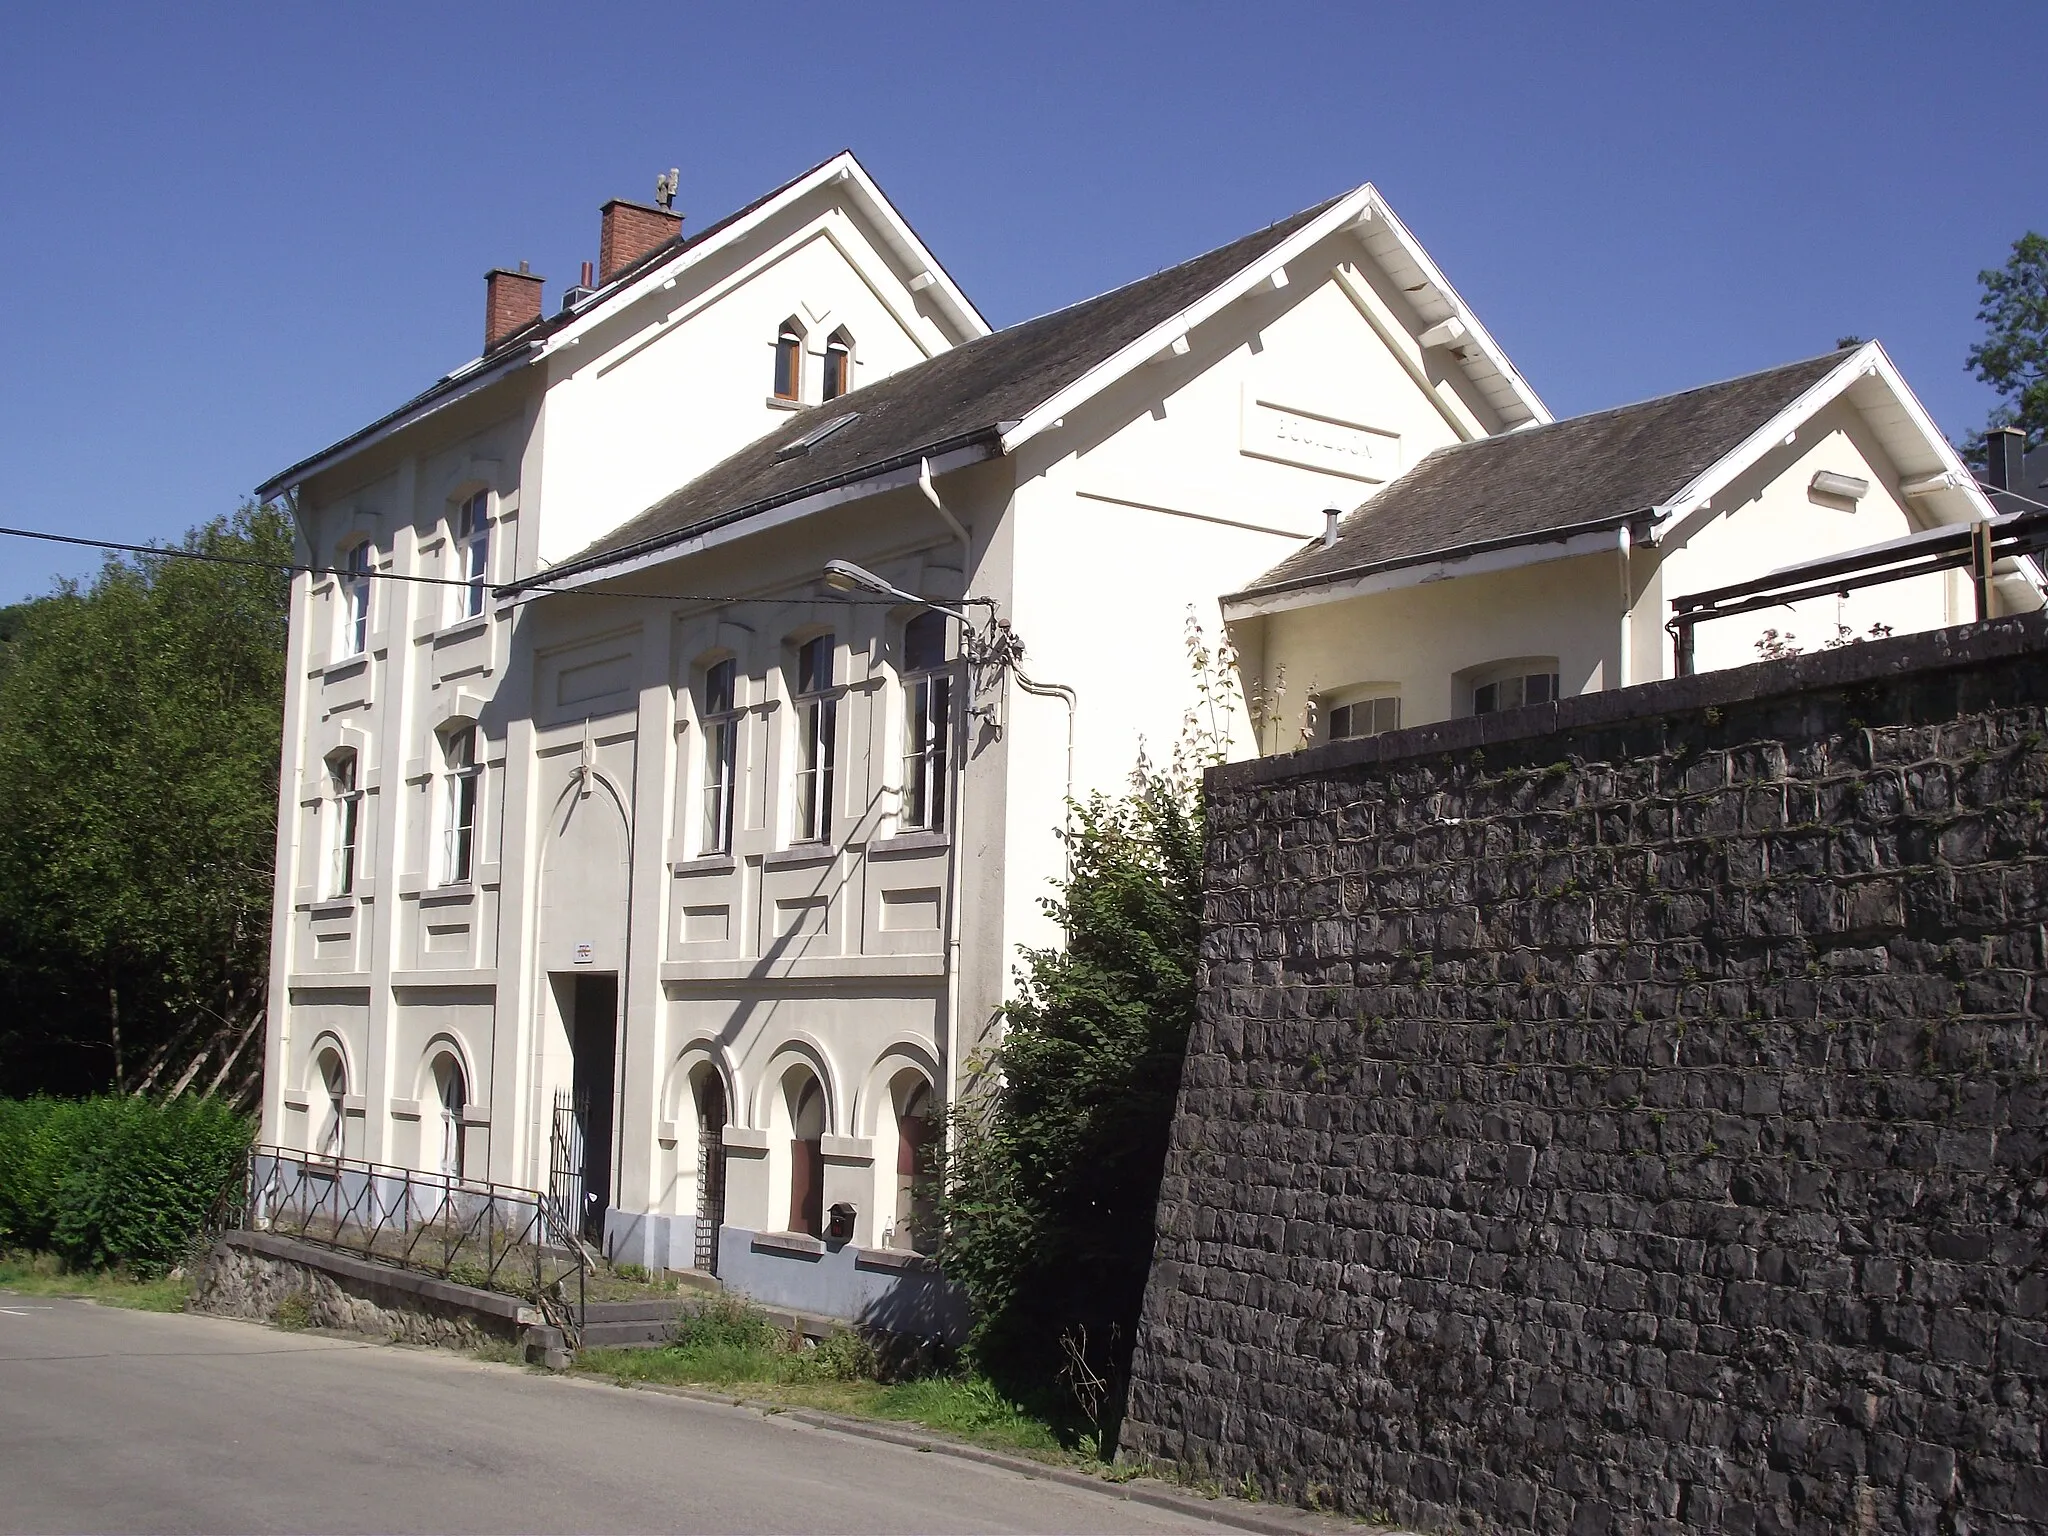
989, 396
1650, 462
967, 395
534, 341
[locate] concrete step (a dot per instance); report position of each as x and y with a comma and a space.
624, 1334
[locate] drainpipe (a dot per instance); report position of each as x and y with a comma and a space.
1623, 667
962, 742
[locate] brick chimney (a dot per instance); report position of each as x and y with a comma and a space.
511, 300
630, 231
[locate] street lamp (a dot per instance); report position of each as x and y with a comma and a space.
845, 576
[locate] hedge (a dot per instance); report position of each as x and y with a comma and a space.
114, 1180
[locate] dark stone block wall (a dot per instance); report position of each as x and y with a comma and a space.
1628, 1114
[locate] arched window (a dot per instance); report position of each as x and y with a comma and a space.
806, 1099
927, 722
838, 366
817, 722
451, 1090
718, 715
711, 1118
1511, 685
330, 1135
789, 362
461, 778
357, 565
473, 554
915, 1222
347, 795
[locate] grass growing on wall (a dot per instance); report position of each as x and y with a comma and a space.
114, 1182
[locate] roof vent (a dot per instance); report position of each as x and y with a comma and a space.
1330, 516
815, 436
571, 297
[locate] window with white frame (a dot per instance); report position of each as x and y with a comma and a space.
462, 782
330, 1136
817, 722
451, 1089
357, 565
473, 554
1369, 715
347, 796
1513, 685
927, 722
718, 716
789, 362
838, 366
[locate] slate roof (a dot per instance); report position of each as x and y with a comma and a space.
1524, 486
964, 395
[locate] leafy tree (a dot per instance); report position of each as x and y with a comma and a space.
1054, 1175
139, 727
2013, 356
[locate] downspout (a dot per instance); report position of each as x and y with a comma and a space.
962, 743
1624, 667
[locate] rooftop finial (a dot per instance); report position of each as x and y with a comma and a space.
665, 187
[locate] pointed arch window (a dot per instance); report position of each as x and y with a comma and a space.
720, 718
357, 566
927, 722
462, 779
838, 366
789, 362
347, 795
473, 554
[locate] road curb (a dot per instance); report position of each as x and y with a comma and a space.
1222, 1510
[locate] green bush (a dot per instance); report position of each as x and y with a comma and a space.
114, 1180
726, 1322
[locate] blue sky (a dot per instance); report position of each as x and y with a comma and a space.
235, 232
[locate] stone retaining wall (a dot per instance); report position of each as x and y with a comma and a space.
249, 1274
1629, 1114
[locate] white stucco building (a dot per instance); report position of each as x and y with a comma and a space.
635, 816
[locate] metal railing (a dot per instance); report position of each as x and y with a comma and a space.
1978, 546
493, 1237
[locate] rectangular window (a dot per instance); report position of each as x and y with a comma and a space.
817, 722
355, 600
348, 803
927, 723
1514, 692
721, 756
1365, 717
473, 553
464, 776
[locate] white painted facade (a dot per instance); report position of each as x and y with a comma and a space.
871, 960
1593, 608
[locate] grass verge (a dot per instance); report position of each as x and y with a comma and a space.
731, 1346
42, 1274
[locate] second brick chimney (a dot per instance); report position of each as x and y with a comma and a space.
511, 302
630, 231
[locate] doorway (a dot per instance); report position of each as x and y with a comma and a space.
583, 1149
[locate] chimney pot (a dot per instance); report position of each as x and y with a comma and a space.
629, 231
511, 302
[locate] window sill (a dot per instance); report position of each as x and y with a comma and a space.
777, 403
455, 893
346, 666
461, 629
710, 864
332, 906
801, 856
909, 842
795, 1244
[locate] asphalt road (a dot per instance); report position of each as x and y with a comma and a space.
135, 1421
